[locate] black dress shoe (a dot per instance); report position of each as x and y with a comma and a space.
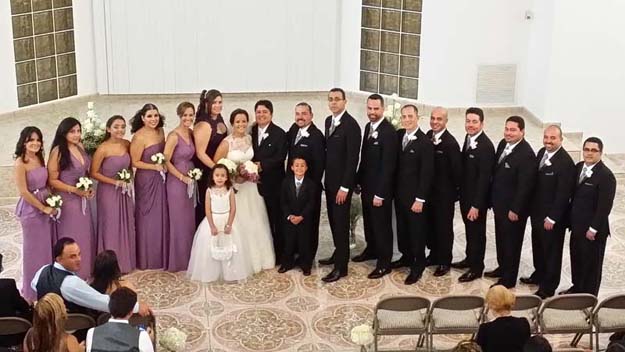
284, 268
469, 276
506, 285
441, 270
306, 272
399, 263
378, 273
568, 291
493, 273
528, 280
334, 275
542, 294
429, 261
363, 257
413, 277
463, 264
327, 261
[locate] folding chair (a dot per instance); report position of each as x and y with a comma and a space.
455, 315
404, 315
609, 316
568, 314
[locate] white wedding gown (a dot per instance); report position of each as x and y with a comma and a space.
250, 230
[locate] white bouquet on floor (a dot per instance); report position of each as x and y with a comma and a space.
393, 113
195, 175
125, 175
55, 201
173, 340
93, 130
362, 335
159, 159
84, 184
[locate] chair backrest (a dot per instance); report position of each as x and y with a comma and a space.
613, 302
527, 302
403, 303
577, 301
461, 302
14, 325
76, 321
103, 318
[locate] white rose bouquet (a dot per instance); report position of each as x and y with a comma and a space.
230, 165
159, 159
362, 335
173, 340
84, 184
125, 175
55, 201
195, 175
93, 130
249, 171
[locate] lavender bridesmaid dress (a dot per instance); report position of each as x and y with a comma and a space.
151, 217
181, 212
73, 223
38, 230
116, 215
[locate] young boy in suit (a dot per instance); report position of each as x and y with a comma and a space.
297, 202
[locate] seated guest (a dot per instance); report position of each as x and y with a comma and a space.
107, 276
60, 278
117, 334
12, 305
537, 343
505, 332
48, 331
467, 346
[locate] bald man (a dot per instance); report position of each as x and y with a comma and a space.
550, 203
444, 192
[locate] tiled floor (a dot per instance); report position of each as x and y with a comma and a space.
290, 312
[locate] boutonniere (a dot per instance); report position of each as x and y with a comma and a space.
548, 162
589, 173
305, 134
412, 138
374, 135
436, 141
264, 135
337, 123
473, 144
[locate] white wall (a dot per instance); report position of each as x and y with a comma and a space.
459, 35
165, 46
84, 46
8, 82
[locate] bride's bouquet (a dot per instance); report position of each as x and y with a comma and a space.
195, 175
249, 171
159, 159
125, 175
55, 201
84, 184
230, 165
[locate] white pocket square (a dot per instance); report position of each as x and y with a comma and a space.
588, 184
471, 156
549, 173
506, 165
439, 151
269, 145
376, 143
411, 150
303, 145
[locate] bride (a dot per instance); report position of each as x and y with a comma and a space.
255, 245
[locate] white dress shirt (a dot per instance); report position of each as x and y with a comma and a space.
78, 291
145, 343
261, 131
473, 138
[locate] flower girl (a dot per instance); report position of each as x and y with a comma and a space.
215, 253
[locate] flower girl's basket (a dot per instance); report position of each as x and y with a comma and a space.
222, 247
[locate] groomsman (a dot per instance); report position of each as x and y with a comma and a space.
478, 158
342, 135
444, 193
513, 182
549, 212
590, 208
270, 147
306, 141
415, 169
375, 177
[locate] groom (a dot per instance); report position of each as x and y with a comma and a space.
270, 147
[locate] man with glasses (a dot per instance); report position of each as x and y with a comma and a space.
590, 208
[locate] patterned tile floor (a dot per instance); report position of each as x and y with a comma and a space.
290, 312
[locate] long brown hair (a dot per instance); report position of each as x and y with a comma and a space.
207, 98
48, 332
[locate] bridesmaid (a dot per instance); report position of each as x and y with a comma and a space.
116, 218
179, 151
151, 217
210, 129
31, 178
69, 162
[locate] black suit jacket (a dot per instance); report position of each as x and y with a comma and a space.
415, 169
271, 154
378, 157
592, 200
477, 166
447, 167
311, 148
513, 179
302, 204
554, 187
342, 153
11, 302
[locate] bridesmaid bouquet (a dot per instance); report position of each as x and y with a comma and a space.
55, 201
85, 184
195, 174
125, 175
159, 159
249, 171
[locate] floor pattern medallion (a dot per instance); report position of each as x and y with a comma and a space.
355, 285
264, 287
195, 330
334, 324
164, 289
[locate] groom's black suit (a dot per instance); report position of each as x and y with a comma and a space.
271, 154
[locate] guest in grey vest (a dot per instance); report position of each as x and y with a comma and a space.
117, 335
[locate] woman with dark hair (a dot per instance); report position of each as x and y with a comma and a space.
106, 275
116, 218
151, 215
38, 230
48, 331
210, 129
179, 152
68, 162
